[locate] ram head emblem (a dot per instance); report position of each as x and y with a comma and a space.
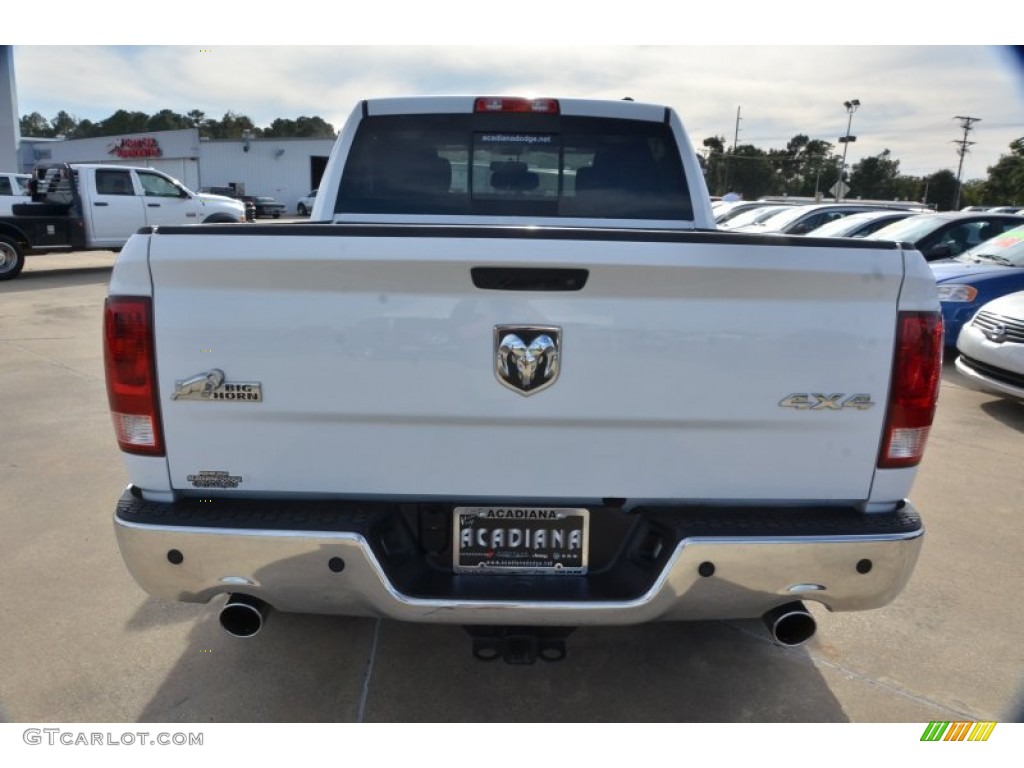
527, 357
200, 387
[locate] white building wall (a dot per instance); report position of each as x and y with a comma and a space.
179, 153
279, 168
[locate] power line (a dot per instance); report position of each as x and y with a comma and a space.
967, 124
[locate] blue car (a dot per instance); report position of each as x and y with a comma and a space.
987, 271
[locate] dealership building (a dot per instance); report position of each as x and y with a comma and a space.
285, 169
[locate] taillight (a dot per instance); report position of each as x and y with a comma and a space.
130, 361
501, 104
917, 367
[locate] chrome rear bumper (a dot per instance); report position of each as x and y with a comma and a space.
173, 555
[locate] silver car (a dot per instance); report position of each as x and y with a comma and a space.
859, 224
799, 220
991, 347
305, 206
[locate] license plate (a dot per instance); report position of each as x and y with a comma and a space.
533, 540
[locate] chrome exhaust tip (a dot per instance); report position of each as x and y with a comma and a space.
243, 615
790, 624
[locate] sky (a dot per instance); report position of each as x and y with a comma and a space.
911, 95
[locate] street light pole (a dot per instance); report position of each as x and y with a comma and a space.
851, 107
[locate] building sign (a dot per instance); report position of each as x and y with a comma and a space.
135, 148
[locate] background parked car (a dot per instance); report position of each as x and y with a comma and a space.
991, 347
751, 216
859, 224
267, 207
945, 235
726, 211
992, 269
305, 205
799, 220
250, 209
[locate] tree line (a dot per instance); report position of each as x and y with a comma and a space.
231, 126
811, 168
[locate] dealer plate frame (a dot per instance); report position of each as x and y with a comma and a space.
529, 521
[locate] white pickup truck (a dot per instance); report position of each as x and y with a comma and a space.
511, 377
13, 190
78, 206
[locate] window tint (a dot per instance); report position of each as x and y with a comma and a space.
910, 229
158, 186
5, 186
518, 165
114, 183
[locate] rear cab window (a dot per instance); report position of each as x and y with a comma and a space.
515, 165
114, 182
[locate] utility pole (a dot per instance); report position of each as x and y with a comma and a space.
966, 124
735, 141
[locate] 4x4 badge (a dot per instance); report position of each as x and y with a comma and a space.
211, 385
527, 357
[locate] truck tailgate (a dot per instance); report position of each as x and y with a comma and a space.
687, 363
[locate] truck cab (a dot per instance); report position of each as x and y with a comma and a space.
118, 200
73, 207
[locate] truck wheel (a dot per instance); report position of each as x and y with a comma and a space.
12, 259
302, 210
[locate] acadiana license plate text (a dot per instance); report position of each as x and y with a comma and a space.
523, 540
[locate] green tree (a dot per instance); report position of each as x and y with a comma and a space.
1005, 184
972, 192
941, 189
819, 169
908, 188
750, 172
314, 127
35, 125
714, 173
167, 120
64, 124
280, 128
124, 121
874, 178
86, 129
791, 162
232, 126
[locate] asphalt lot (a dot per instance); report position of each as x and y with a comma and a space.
80, 642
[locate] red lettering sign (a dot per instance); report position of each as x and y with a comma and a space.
146, 147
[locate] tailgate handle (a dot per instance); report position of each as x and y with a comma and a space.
529, 278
